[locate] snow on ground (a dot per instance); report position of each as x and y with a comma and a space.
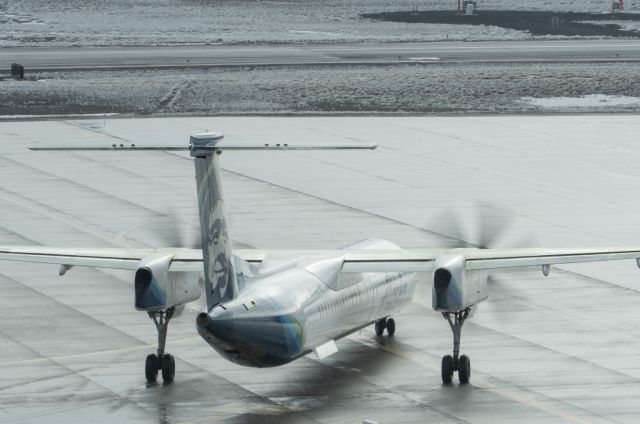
135, 22
591, 101
425, 87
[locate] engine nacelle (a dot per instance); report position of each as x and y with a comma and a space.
158, 289
454, 287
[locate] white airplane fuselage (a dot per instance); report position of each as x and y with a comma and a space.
285, 315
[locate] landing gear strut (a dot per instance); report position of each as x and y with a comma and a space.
161, 361
385, 324
461, 364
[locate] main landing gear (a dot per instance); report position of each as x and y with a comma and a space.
385, 324
162, 361
450, 364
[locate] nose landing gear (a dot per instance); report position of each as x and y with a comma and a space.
161, 361
461, 364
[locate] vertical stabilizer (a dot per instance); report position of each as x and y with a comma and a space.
219, 273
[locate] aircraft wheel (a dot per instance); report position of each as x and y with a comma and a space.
464, 369
447, 369
168, 368
151, 368
391, 326
380, 326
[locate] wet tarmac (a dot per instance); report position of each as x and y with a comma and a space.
556, 349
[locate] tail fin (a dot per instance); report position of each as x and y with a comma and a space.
220, 277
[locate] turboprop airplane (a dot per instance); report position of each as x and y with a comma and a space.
267, 308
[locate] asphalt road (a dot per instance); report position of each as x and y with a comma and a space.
377, 53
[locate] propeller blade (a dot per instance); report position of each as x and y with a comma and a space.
450, 226
488, 228
491, 224
172, 232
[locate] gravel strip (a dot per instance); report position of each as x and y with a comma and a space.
419, 88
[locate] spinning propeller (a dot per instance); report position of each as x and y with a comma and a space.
171, 232
487, 229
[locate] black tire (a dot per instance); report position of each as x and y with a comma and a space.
464, 369
380, 326
151, 368
168, 368
447, 369
391, 326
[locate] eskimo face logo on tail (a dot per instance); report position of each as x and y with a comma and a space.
223, 272
216, 230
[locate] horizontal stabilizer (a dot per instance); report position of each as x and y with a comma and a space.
106, 147
201, 143
220, 146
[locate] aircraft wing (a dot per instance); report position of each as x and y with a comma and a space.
511, 258
422, 260
384, 260
387, 260
118, 258
190, 260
